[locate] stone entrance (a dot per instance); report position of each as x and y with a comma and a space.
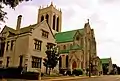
74, 65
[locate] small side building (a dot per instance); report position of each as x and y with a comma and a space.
106, 65
96, 66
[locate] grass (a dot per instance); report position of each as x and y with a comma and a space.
52, 75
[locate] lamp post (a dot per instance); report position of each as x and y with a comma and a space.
89, 58
89, 66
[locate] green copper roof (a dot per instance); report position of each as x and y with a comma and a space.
67, 36
105, 60
76, 47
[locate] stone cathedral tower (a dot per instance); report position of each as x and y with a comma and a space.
53, 17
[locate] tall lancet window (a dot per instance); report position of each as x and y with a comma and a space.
57, 29
42, 18
47, 18
54, 22
67, 61
60, 62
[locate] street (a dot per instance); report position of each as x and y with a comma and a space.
102, 78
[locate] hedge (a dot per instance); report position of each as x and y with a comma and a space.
77, 72
15, 73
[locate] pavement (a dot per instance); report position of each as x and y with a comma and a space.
51, 78
103, 78
76, 78
65, 78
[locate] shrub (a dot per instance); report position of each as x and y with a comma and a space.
69, 73
112, 72
62, 71
30, 75
77, 72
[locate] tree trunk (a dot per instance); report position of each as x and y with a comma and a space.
46, 69
49, 70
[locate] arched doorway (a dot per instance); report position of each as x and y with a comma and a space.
74, 65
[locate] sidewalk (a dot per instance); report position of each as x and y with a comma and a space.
65, 78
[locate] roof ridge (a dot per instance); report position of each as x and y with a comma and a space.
28, 26
105, 58
10, 27
22, 27
70, 30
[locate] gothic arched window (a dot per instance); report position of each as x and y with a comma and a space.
54, 22
64, 47
47, 18
42, 18
77, 38
57, 24
67, 61
60, 62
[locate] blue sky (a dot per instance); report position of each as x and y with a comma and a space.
103, 14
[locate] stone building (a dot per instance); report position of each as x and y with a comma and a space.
77, 49
107, 65
2, 45
96, 66
26, 46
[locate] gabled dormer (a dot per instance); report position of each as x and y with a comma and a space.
78, 38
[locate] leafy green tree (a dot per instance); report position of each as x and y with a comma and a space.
52, 58
11, 3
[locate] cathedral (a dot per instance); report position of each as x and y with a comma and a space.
26, 46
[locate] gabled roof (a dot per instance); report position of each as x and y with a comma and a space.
22, 30
9, 29
105, 60
27, 29
67, 36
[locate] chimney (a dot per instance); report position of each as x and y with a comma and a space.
19, 22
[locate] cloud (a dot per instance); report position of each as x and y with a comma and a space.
27, 12
108, 1
96, 19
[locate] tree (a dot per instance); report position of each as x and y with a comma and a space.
52, 58
115, 69
118, 69
114, 66
105, 68
11, 3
